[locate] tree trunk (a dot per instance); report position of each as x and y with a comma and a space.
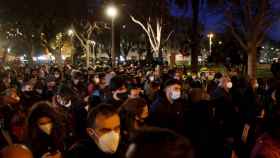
172, 60
31, 54
160, 56
58, 57
87, 55
4, 58
252, 62
149, 56
195, 36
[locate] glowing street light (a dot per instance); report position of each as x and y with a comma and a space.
9, 50
70, 32
210, 36
112, 12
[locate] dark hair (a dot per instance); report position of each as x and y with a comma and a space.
76, 74
116, 82
218, 75
102, 109
39, 110
129, 110
134, 105
162, 143
171, 82
65, 90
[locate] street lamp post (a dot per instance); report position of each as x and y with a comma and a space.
210, 36
112, 13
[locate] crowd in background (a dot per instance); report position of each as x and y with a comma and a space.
47, 111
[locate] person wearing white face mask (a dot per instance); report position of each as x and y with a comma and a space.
225, 113
167, 111
44, 131
103, 130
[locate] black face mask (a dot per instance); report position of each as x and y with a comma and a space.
122, 96
29, 94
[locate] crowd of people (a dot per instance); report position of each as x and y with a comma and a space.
47, 111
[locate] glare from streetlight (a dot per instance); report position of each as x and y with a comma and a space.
112, 11
9, 50
210, 35
70, 32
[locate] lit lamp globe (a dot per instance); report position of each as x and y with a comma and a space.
70, 32
112, 11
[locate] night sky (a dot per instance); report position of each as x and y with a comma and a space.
215, 23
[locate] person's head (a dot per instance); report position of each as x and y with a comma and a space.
95, 79
134, 90
64, 95
42, 73
161, 143
253, 83
51, 83
6, 78
218, 76
57, 74
42, 120
102, 78
119, 88
178, 76
34, 73
225, 83
133, 113
172, 89
16, 151
117, 84
76, 77
27, 87
10, 97
103, 126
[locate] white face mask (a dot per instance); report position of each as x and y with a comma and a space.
76, 81
56, 75
109, 142
63, 102
96, 80
229, 85
151, 78
67, 105
46, 128
175, 95
28, 88
17, 98
177, 78
20, 81
40, 91
257, 85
